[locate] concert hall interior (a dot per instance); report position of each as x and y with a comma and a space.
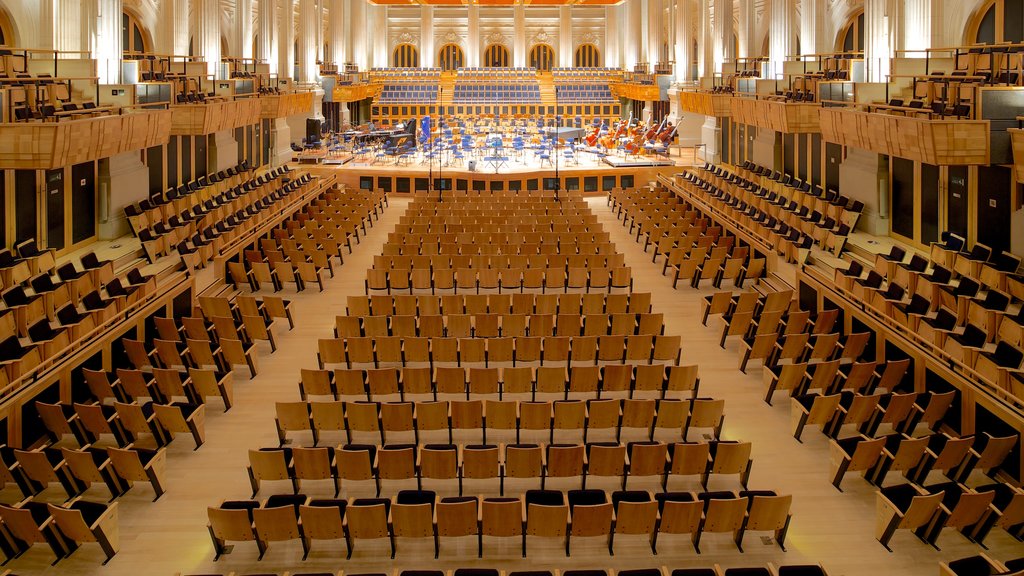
511, 287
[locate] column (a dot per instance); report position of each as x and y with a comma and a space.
684, 40
919, 29
337, 34
49, 17
612, 37
812, 27
106, 47
267, 32
206, 33
357, 34
308, 26
876, 40
565, 45
722, 35
519, 35
172, 29
377, 15
286, 40
633, 34
243, 28
705, 57
427, 54
746, 30
780, 35
655, 25
473, 35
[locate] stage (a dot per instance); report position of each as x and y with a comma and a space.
587, 171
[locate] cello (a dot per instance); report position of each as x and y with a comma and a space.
591, 139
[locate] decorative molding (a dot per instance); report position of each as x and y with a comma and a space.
495, 37
405, 37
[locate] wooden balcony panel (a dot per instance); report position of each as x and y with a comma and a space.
644, 92
49, 145
1017, 143
355, 93
939, 142
285, 105
706, 103
784, 117
203, 119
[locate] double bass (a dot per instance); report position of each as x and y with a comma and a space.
611, 139
591, 139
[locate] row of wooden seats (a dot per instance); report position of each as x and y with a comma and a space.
916, 457
441, 225
300, 266
451, 467
719, 264
495, 325
714, 570
901, 412
448, 304
996, 269
787, 241
981, 564
76, 469
927, 510
191, 196
472, 280
561, 350
125, 422
746, 310
490, 246
797, 194
637, 418
492, 235
424, 383
547, 514
832, 377
759, 208
604, 257
511, 211
63, 528
228, 227
609, 380
981, 330
791, 336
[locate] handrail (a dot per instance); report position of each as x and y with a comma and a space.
56, 361
970, 374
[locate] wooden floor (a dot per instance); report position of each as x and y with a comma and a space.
170, 536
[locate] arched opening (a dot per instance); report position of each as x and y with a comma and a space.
851, 37
134, 37
996, 22
542, 57
451, 57
496, 56
405, 56
8, 33
587, 56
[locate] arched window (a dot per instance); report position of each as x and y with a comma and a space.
405, 56
996, 21
496, 56
451, 57
851, 37
542, 57
587, 56
7, 35
134, 38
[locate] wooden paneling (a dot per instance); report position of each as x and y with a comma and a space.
1017, 142
938, 142
784, 117
285, 105
203, 119
644, 92
705, 103
43, 146
355, 93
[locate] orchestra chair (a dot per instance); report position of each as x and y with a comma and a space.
547, 516
80, 521
905, 506
368, 519
457, 517
140, 465
27, 524
723, 512
315, 464
679, 513
591, 515
277, 520
502, 518
853, 454
635, 513
766, 512
323, 519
